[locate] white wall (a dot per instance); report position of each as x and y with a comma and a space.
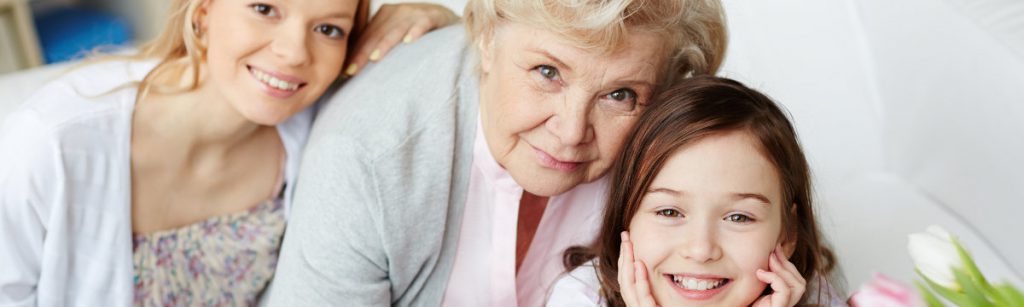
910, 113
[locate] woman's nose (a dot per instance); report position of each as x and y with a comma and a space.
290, 46
572, 121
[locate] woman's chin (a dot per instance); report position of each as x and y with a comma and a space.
543, 183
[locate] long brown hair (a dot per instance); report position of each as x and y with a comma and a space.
683, 114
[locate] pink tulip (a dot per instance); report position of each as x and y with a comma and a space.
883, 291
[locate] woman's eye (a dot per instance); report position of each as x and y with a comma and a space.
669, 213
623, 94
330, 31
264, 9
739, 218
548, 72
621, 100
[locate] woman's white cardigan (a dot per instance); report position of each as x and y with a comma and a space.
65, 189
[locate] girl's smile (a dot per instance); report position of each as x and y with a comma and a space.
697, 287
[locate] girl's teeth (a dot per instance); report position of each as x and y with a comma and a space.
695, 284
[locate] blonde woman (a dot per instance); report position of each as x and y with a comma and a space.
164, 178
461, 180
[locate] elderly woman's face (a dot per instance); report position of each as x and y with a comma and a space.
555, 115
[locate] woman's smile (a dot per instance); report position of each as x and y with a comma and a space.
549, 161
277, 85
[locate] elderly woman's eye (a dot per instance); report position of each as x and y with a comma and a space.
623, 95
264, 9
739, 218
547, 72
620, 100
669, 213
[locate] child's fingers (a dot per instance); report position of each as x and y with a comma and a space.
627, 279
789, 265
781, 291
643, 287
789, 274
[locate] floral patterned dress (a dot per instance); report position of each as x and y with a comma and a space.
222, 261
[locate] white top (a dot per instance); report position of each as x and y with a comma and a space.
485, 261
65, 189
577, 288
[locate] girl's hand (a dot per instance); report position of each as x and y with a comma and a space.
397, 23
787, 284
633, 281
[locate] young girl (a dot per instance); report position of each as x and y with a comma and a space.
710, 205
164, 178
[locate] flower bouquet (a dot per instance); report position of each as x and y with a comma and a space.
949, 276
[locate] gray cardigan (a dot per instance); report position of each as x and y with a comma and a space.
379, 200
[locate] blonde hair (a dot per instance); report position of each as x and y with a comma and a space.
694, 29
180, 51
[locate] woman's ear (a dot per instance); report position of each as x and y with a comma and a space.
200, 18
486, 47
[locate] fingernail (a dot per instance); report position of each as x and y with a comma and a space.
622, 236
351, 70
407, 39
375, 55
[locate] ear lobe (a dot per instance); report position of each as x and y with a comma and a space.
789, 247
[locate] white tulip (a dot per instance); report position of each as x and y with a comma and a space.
935, 256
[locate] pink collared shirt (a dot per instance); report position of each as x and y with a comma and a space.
484, 273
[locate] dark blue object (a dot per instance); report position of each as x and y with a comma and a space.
70, 32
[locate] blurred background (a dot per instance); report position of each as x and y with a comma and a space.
911, 112
36, 32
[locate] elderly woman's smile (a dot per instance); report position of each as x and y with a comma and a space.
555, 115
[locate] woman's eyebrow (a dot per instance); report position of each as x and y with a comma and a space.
548, 55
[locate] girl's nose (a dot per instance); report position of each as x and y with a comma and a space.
700, 244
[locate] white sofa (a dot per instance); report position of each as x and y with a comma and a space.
911, 112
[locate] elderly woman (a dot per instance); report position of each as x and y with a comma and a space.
459, 181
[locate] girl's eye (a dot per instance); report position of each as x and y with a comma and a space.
330, 31
264, 9
548, 72
669, 213
739, 218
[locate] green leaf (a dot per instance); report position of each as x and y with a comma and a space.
955, 297
1012, 296
973, 291
975, 275
928, 296
972, 269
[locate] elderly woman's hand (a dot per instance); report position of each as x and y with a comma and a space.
394, 24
